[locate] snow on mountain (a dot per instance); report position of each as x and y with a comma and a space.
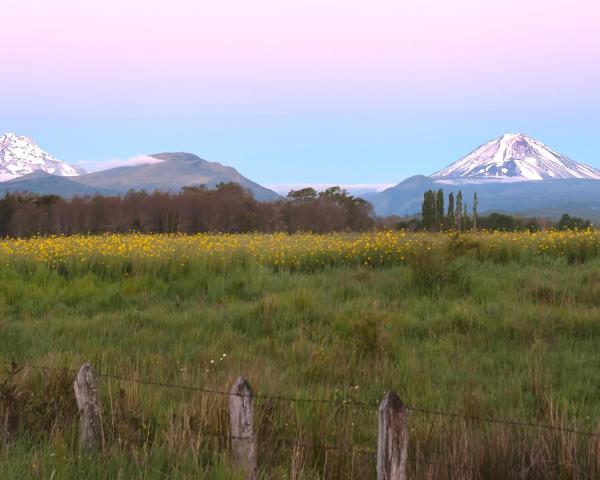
515, 157
20, 156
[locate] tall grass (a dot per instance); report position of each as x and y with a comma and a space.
481, 325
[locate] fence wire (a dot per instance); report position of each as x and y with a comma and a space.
345, 402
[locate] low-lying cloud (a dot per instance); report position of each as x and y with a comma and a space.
120, 162
352, 188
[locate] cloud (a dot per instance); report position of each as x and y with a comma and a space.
353, 188
119, 162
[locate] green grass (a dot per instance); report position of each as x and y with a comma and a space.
511, 340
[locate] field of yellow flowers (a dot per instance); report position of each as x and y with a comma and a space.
128, 253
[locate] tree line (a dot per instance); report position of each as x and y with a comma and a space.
435, 218
457, 216
228, 208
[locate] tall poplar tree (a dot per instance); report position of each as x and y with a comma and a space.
450, 215
439, 210
427, 210
459, 210
475, 206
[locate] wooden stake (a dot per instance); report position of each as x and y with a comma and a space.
91, 436
392, 439
243, 441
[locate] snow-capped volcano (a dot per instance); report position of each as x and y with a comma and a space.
514, 157
20, 156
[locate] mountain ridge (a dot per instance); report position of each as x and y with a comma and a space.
175, 171
514, 173
516, 156
20, 155
46, 183
21, 158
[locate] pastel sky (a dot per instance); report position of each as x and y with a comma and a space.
300, 91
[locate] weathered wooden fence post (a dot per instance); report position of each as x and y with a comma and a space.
91, 436
243, 441
392, 438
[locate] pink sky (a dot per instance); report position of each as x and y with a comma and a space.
182, 48
301, 90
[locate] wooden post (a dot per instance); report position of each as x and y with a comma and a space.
243, 442
91, 436
392, 438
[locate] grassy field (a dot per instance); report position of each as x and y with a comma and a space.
493, 325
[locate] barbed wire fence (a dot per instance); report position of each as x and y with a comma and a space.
392, 441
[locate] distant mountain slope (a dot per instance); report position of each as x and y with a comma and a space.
517, 156
512, 174
20, 156
548, 198
176, 170
43, 183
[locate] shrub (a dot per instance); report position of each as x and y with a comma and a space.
432, 272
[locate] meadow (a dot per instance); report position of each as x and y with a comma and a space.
494, 325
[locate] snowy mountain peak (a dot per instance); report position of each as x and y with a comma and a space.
20, 156
516, 156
